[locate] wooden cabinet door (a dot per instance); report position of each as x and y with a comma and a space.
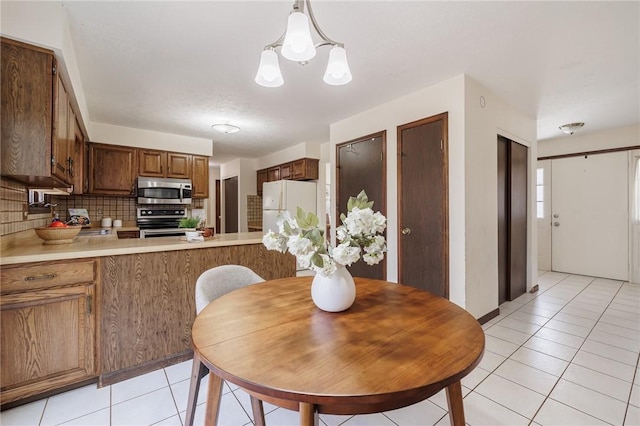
179, 165
27, 101
285, 171
78, 165
273, 174
113, 169
47, 340
60, 145
152, 163
304, 169
200, 179
261, 177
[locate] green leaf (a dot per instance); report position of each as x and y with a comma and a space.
361, 201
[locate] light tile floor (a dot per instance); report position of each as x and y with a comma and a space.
566, 355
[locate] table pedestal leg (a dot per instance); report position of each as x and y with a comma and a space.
308, 415
213, 400
454, 399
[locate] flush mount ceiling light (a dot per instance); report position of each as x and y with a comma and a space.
226, 128
297, 45
571, 127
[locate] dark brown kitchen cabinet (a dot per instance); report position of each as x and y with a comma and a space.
113, 169
152, 163
38, 142
261, 177
304, 169
200, 179
285, 171
78, 164
48, 327
178, 165
273, 173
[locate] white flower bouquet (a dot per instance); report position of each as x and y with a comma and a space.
359, 235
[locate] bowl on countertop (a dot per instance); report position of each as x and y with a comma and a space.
57, 235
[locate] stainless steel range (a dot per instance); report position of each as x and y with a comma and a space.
163, 222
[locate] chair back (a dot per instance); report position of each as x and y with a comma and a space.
218, 281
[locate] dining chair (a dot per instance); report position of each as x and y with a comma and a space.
210, 285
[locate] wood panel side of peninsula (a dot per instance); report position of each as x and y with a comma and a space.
147, 303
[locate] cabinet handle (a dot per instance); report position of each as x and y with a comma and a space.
89, 305
41, 277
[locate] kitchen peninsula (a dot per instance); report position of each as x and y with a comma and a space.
106, 308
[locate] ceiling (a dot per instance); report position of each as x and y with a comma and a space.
179, 67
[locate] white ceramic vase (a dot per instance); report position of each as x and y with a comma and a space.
334, 293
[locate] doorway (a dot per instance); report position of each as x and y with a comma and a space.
218, 208
360, 165
512, 219
423, 228
231, 204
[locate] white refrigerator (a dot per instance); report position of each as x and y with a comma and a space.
286, 195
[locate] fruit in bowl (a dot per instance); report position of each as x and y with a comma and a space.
58, 224
58, 234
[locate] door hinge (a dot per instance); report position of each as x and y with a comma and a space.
54, 70
441, 144
53, 160
89, 305
381, 156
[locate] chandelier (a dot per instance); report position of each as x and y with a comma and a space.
297, 45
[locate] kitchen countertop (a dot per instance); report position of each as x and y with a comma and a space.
25, 246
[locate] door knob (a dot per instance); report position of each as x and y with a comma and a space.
556, 223
406, 231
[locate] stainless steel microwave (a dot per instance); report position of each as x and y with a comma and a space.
163, 191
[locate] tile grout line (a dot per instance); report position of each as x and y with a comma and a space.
573, 357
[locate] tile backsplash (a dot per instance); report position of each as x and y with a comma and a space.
14, 197
12, 201
254, 210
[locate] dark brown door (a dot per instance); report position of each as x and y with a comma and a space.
360, 165
512, 219
231, 205
218, 211
423, 258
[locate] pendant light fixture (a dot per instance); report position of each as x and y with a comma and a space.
297, 45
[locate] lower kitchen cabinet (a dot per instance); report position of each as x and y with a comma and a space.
47, 327
148, 303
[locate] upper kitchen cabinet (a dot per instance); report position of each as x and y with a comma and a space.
60, 158
305, 169
38, 143
112, 169
302, 169
179, 165
262, 176
152, 163
200, 179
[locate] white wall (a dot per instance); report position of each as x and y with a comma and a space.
301, 150
128, 136
447, 96
486, 116
472, 159
44, 24
620, 137
245, 169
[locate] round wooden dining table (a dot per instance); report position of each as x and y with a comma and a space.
395, 346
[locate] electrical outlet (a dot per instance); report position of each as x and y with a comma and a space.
99, 211
25, 211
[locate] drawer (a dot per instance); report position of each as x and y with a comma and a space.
36, 276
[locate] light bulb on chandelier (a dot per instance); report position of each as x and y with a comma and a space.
297, 45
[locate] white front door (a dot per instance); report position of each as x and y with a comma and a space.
590, 231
